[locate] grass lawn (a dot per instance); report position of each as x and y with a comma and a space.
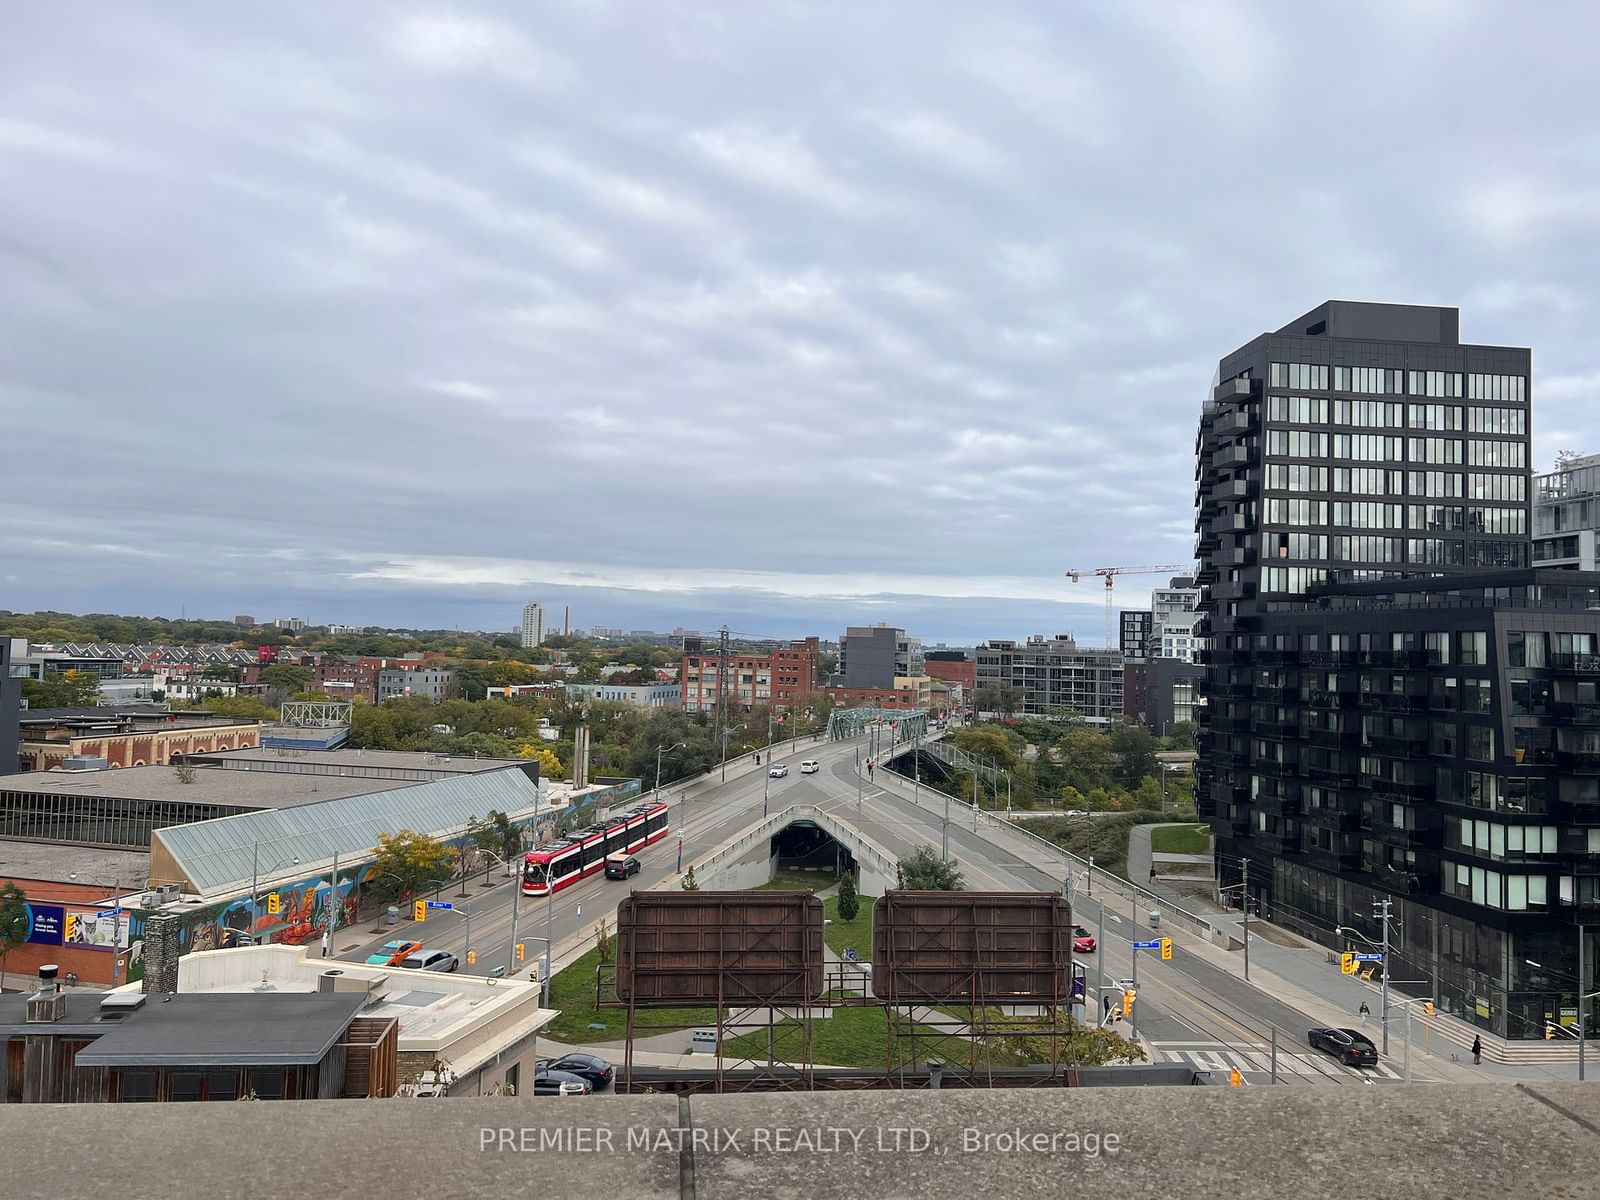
852, 1037
572, 991
1181, 839
841, 934
799, 881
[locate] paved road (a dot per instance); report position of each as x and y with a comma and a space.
1186, 1006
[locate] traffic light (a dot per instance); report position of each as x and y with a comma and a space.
1347, 963
521, 952
274, 903
1166, 949
72, 927
1427, 1007
472, 958
419, 911
1234, 1078
1128, 998
1549, 1031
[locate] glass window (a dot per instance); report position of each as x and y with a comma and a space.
186, 1085
1480, 743
1474, 646
138, 1087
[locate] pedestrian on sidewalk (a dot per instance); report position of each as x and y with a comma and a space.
1364, 1012
1477, 1050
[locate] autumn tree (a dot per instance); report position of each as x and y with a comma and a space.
408, 862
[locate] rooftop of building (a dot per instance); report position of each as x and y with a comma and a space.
1376, 321
142, 718
1247, 1143
435, 1010
354, 760
202, 1030
263, 789
57, 863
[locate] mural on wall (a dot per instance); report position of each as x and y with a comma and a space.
303, 906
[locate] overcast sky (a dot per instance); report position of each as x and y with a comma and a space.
779, 315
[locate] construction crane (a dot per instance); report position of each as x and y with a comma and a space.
1110, 574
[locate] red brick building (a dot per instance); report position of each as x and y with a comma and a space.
779, 679
882, 697
952, 666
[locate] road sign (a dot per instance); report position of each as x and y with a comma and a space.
110, 912
444, 905
1147, 945
1347, 963
1369, 958
850, 953
1166, 949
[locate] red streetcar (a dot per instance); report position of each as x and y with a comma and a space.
563, 863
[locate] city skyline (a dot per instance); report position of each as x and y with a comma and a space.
415, 341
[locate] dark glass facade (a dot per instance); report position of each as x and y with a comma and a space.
10, 706
1393, 698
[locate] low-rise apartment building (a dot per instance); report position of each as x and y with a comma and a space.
1053, 677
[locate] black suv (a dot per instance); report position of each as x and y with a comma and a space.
621, 866
1349, 1046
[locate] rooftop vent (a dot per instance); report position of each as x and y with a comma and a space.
118, 1006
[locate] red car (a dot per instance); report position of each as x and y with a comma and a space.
1082, 941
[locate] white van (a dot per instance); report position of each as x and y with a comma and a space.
810, 767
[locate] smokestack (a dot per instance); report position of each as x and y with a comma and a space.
566, 621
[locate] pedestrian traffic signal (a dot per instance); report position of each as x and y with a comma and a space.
1166, 949
419, 911
1235, 1079
472, 958
1428, 1007
72, 927
1128, 998
274, 903
1549, 1031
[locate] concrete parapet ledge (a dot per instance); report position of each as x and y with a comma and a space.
1497, 1141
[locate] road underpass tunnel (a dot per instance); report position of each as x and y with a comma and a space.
807, 846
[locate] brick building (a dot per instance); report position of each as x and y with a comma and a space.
952, 666
779, 679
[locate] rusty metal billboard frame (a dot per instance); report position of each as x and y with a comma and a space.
759, 951
977, 951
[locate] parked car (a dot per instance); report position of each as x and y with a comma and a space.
621, 866
810, 767
779, 771
393, 952
559, 1083
591, 1068
430, 960
1076, 812
1349, 1046
1082, 940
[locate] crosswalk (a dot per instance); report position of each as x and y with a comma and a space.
1214, 1056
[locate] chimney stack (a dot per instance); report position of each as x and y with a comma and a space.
49, 1003
161, 948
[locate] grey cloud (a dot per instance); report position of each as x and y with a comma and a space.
711, 289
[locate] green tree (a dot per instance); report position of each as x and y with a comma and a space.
71, 689
408, 862
1087, 759
240, 708
1183, 735
988, 743
849, 901
13, 921
924, 871
1135, 748
286, 677
690, 884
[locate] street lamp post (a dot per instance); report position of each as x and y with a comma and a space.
656, 795
766, 786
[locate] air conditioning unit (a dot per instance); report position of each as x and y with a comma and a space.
168, 892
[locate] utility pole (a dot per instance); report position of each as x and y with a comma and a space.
1133, 1016
766, 786
722, 698
1380, 908
549, 946
516, 905
1244, 906
1581, 998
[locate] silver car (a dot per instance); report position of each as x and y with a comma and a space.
430, 960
